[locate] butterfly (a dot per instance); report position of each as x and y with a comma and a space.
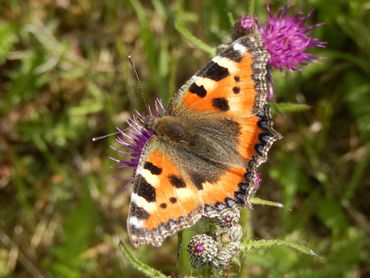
203, 154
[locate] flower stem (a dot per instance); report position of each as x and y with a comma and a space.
246, 223
251, 10
207, 272
183, 255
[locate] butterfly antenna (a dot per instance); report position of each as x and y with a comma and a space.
138, 80
94, 139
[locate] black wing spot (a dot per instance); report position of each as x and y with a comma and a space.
200, 91
173, 200
177, 182
197, 180
214, 71
152, 168
139, 212
221, 104
236, 90
163, 205
145, 189
237, 78
232, 54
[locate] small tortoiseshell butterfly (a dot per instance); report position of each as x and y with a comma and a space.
204, 151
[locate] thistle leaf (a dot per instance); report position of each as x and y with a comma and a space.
286, 107
256, 244
258, 201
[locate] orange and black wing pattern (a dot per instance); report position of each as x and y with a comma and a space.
163, 202
234, 82
172, 192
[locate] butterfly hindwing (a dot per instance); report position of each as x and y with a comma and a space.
173, 188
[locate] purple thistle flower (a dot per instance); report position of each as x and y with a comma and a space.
247, 22
257, 179
198, 248
287, 38
136, 135
270, 92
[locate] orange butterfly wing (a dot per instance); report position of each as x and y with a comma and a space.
163, 201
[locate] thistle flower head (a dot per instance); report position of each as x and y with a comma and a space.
235, 233
227, 253
247, 22
287, 38
202, 249
136, 135
228, 218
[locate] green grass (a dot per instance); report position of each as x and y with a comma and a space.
65, 78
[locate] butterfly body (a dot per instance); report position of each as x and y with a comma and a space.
204, 151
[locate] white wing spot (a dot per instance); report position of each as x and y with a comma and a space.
239, 47
142, 203
149, 177
207, 83
226, 63
135, 222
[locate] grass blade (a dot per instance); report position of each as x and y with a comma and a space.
139, 265
197, 42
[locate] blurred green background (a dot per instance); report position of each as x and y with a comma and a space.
65, 78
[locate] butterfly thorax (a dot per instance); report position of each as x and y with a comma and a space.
171, 129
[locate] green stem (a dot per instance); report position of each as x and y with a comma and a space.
207, 272
251, 10
183, 255
246, 223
